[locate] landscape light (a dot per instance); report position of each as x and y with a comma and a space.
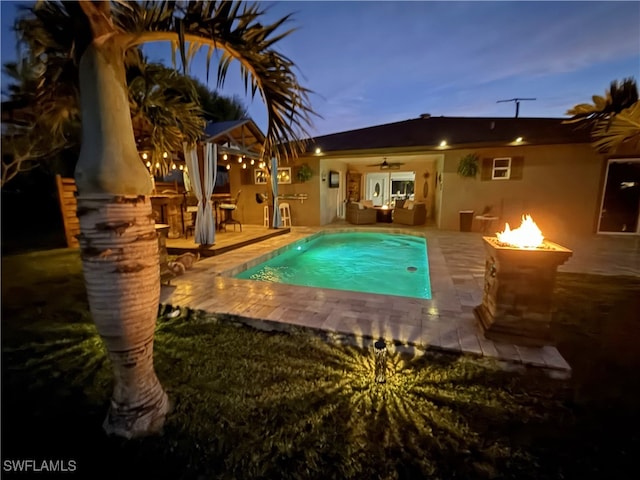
380, 352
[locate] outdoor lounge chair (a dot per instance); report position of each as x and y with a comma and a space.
407, 212
358, 214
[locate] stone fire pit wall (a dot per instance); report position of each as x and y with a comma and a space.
518, 289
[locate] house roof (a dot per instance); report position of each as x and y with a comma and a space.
428, 132
242, 136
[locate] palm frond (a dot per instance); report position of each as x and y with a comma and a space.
235, 29
622, 130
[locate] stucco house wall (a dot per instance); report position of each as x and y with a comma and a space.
251, 212
560, 187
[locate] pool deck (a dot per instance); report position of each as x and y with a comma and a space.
446, 322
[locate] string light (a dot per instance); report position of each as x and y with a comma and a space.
225, 157
173, 166
148, 164
244, 165
252, 161
181, 167
165, 155
145, 156
228, 167
239, 159
157, 164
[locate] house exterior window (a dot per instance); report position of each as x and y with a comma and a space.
501, 168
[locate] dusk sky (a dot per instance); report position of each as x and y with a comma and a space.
371, 63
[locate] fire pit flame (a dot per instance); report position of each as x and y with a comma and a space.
528, 235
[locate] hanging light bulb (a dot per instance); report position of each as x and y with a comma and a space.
239, 159
181, 167
145, 156
228, 167
244, 165
225, 157
252, 161
157, 164
148, 164
165, 155
173, 166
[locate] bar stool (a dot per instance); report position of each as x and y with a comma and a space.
266, 216
285, 213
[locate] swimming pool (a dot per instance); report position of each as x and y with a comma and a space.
383, 263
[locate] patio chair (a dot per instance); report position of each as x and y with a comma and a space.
228, 209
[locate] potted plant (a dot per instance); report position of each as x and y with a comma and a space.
304, 173
468, 166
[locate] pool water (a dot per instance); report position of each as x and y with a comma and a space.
381, 263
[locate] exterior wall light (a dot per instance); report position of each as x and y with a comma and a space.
443, 143
519, 140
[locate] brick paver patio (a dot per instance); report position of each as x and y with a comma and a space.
446, 322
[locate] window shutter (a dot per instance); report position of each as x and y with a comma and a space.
517, 167
487, 167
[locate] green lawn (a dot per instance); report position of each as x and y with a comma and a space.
251, 404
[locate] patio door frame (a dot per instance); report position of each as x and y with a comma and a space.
604, 193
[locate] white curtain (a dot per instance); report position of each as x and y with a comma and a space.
205, 224
277, 218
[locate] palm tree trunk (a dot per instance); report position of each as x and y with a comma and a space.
118, 242
119, 247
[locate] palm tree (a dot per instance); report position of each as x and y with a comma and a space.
614, 119
164, 107
218, 108
118, 240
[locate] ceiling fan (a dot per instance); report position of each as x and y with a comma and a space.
384, 165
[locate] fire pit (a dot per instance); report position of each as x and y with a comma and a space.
519, 278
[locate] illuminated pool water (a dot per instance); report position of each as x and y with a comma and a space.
358, 261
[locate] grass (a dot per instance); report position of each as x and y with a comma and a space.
251, 404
